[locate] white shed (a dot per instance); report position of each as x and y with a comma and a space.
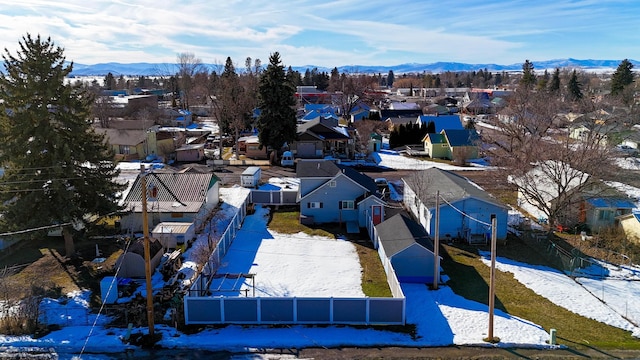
174, 234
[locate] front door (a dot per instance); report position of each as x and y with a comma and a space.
376, 210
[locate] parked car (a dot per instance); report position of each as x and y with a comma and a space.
287, 159
383, 186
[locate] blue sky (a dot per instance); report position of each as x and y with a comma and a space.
329, 33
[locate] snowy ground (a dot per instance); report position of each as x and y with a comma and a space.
441, 317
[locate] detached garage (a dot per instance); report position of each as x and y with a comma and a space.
406, 246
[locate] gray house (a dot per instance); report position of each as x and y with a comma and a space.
406, 246
465, 209
333, 193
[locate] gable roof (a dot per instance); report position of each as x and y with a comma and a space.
461, 137
324, 128
399, 232
316, 169
452, 188
176, 192
434, 138
329, 169
123, 136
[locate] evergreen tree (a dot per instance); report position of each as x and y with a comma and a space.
57, 168
390, 78
528, 75
431, 127
554, 84
574, 87
109, 82
622, 77
277, 120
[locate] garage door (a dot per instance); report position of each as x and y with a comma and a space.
306, 150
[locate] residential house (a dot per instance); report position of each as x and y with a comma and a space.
406, 246
591, 203
172, 197
138, 139
465, 209
190, 153
177, 117
452, 144
448, 122
333, 193
249, 146
600, 212
322, 137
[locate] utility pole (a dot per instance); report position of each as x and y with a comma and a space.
436, 245
147, 255
492, 280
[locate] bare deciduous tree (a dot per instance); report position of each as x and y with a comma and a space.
188, 66
532, 134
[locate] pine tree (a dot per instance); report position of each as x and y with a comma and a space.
528, 76
390, 78
554, 85
57, 168
277, 120
622, 77
574, 87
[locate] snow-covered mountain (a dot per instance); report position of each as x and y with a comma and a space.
164, 69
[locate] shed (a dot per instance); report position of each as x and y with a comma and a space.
174, 234
406, 245
131, 263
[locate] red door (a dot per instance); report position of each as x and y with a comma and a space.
376, 210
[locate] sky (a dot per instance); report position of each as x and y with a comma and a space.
328, 33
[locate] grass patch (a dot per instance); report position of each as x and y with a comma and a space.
374, 279
470, 279
288, 222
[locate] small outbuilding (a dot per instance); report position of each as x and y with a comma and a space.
406, 246
173, 235
131, 263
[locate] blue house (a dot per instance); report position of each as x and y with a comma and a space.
333, 193
442, 122
465, 209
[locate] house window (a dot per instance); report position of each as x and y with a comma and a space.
332, 183
605, 215
124, 149
347, 205
314, 205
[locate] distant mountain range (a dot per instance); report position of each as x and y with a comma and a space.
165, 69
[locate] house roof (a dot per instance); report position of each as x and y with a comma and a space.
176, 192
435, 138
441, 121
615, 203
137, 247
329, 169
399, 232
123, 137
324, 128
172, 227
461, 137
316, 169
452, 188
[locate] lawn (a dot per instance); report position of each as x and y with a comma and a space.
470, 278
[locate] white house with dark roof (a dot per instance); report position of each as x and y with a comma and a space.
172, 197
